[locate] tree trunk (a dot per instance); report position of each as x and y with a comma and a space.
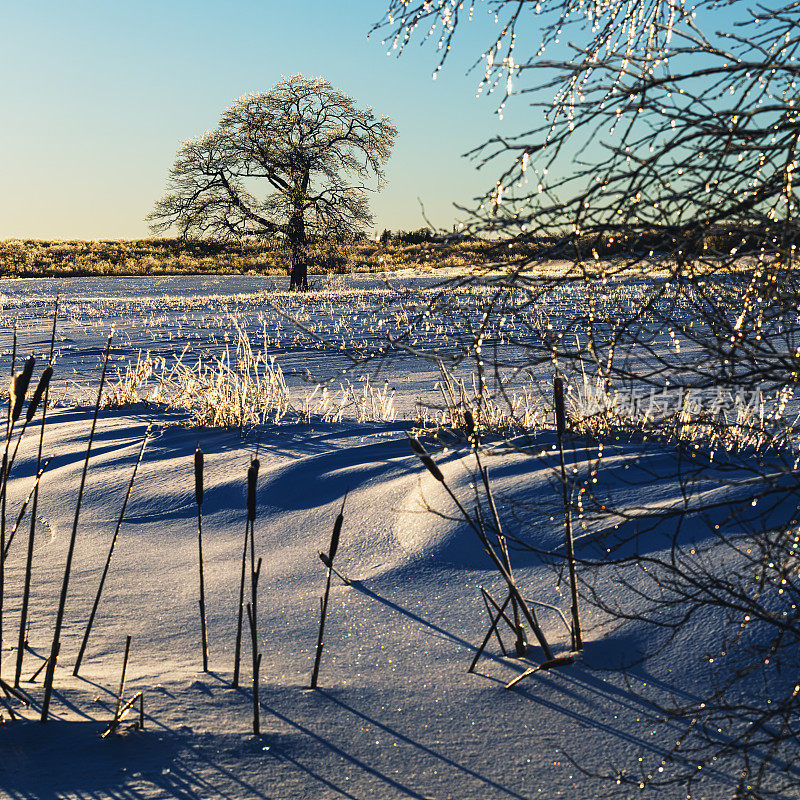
298, 279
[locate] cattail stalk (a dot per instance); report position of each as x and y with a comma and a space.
41, 386
18, 388
39, 670
237, 658
3, 478
256, 666
121, 710
520, 643
11, 402
24, 506
198, 495
492, 621
51, 664
424, 456
492, 629
325, 560
252, 481
44, 384
252, 606
122, 677
561, 428
96, 604
334, 546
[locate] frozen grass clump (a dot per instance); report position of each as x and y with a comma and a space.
720, 419
509, 414
368, 404
241, 390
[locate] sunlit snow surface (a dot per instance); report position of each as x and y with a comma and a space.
197, 316
397, 715
165, 316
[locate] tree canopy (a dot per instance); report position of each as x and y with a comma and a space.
662, 119
317, 154
669, 131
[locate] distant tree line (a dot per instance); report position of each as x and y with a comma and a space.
417, 236
33, 258
423, 248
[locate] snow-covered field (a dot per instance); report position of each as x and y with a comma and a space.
396, 713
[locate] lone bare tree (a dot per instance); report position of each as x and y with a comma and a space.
318, 154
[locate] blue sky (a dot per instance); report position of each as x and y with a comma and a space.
97, 95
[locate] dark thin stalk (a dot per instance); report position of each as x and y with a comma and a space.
490, 614
5, 703
326, 561
120, 709
96, 604
39, 670
24, 507
509, 579
561, 427
553, 663
497, 607
17, 391
520, 644
26, 592
512, 587
334, 546
254, 571
122, 677
115, 723
238, 653
3, 479
473, 433
198, 493
3, 469
320, 641
20, 385
10, 691
256, 669
492, 629
249, 537
252, 606
51, 664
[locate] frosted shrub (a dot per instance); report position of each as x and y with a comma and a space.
242, 389
719, 418
518, 411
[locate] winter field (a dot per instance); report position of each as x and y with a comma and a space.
396, 713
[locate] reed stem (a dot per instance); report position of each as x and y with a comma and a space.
62, 602
249, 538
198, 493
24, 624
96, 604
334, 546
238, 653
3, 480
561, 427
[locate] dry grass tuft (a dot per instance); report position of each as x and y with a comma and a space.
241, 390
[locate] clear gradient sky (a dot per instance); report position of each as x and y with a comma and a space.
96, 96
